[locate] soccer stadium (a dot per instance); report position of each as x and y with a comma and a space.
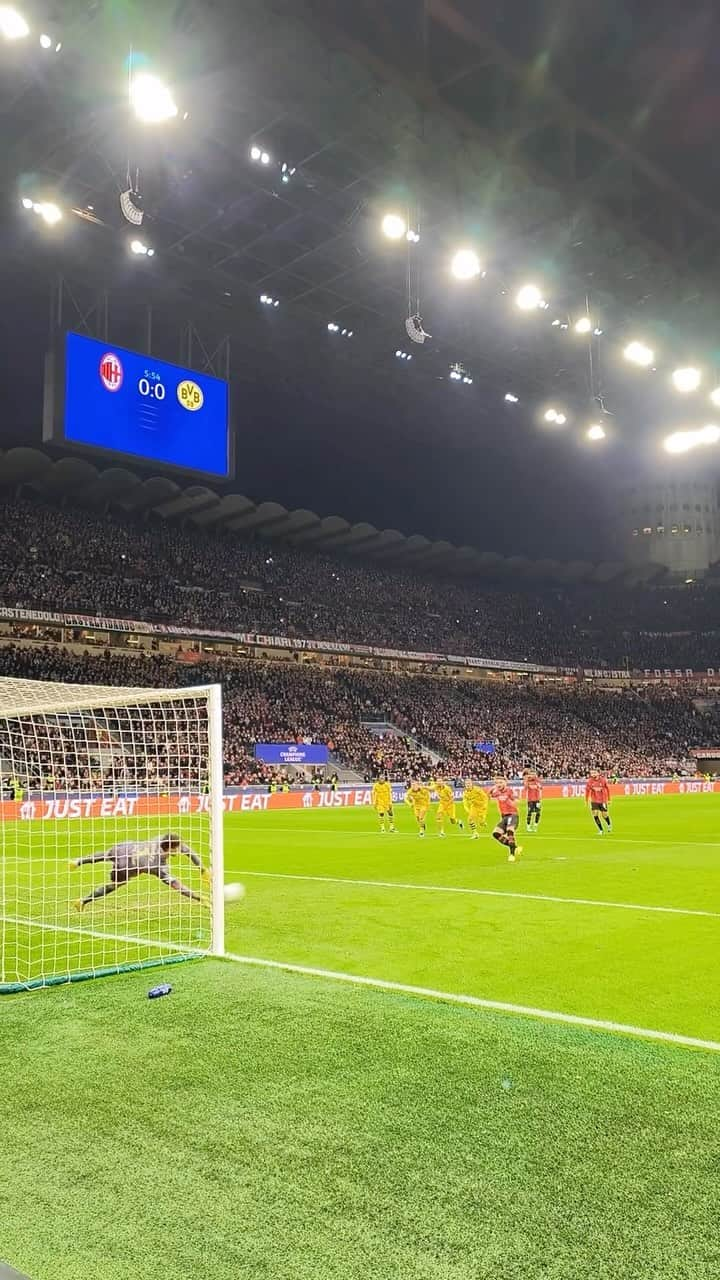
359, 641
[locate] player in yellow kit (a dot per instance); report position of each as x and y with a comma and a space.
382, 803
418, 797
446, 805
475, 804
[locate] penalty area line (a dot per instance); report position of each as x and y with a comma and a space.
482, 893
478, 1002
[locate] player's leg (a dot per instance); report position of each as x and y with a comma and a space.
596, 817
536, 813
118, 877
529, 816
606, 817
421, 816
391, 819
441, 820
381, 819
172, 882
91, 857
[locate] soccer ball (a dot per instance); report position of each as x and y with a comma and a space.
234, 892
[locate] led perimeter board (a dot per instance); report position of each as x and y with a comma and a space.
102, 397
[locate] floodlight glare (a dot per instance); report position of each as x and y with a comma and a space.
139, 248
529, 297
393, 226
584, 325
465, 264
561, 419
45, 42
551, 415
715, 396
49, 212
596, 432
709, 435
511, 399
638, 353
12, 24
255, 153
264, 157
686, 379
27, 203
680, 441
151, 100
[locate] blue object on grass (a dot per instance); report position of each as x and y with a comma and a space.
163, 990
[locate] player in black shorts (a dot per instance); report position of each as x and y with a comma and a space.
142, 857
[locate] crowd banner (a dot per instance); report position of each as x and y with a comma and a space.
39, 808
257, 640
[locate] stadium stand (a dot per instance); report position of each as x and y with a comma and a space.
561, 730
121, 566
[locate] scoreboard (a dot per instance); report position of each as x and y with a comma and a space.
103, 397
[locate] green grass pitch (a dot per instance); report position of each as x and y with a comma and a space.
264, 1123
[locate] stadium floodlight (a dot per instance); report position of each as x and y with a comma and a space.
583, 325
638, 353
683, 441
264, 157
455, 375
510, 398
412, 237
687, 379
529, 298
393, 226
551, 415
715, 396
255, 153
560, 420
596, 432
709, 435
151, 100
598, 333
165, 747
465, 265
12, 24
27, 203
45, 41
141, 249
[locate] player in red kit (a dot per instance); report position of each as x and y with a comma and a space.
597, 795
504, 832
533, 795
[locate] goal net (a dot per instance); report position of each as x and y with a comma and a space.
111, 854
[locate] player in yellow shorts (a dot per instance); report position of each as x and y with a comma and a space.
446, 805
475, 804
382, 803
418, 797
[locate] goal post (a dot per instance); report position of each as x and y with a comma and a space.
111, 829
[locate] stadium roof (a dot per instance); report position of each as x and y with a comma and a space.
480, 126
203, 507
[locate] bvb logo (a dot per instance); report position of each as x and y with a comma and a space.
190, 395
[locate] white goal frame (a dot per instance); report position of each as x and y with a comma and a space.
35, 716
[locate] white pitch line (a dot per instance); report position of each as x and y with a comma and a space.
591, 838
481, 893
96, 933
477, 1002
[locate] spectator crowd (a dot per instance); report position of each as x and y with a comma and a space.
114, 566
373, 722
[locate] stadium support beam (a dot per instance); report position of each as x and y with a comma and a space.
561, 109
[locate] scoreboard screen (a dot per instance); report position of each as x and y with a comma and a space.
100, 396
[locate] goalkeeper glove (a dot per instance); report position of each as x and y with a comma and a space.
72, 864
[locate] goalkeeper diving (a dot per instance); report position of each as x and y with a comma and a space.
133, 858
